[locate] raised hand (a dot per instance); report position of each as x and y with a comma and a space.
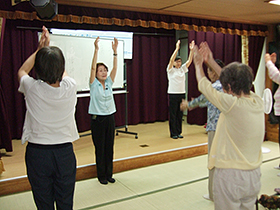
205, 52
96, 43
267, 57
273, 57
45, 38
178, 44
115, 45
191, 45
197, 57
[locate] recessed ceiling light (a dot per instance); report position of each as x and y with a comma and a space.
277, 2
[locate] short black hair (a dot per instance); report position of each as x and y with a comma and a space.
239, 76
178, 58
100, 64
49, 64
220, 63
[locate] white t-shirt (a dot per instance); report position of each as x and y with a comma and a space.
49, 117
176, 79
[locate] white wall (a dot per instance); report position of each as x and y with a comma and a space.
259, 83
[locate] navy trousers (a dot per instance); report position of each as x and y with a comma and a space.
103, 135
51, 171
175, 114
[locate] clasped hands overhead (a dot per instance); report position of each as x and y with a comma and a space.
201, 54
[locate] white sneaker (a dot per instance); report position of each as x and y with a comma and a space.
206, 196
278, 174
277, 167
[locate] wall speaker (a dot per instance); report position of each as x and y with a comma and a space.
46, 9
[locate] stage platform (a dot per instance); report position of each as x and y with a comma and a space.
153, 146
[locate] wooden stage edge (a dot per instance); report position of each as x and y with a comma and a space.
21, 184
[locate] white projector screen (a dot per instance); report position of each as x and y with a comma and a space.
78, 53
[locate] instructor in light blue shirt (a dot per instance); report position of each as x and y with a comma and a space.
102, 108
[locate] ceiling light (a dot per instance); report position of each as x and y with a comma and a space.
277, 2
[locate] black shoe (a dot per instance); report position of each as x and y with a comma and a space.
180, 136
111, 180
103, 181
174, 137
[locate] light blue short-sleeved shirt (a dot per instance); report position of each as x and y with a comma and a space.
101, 100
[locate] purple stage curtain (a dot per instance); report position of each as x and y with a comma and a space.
225, 47
82, 117
147, 78
5, 134
18, 45
255, 50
